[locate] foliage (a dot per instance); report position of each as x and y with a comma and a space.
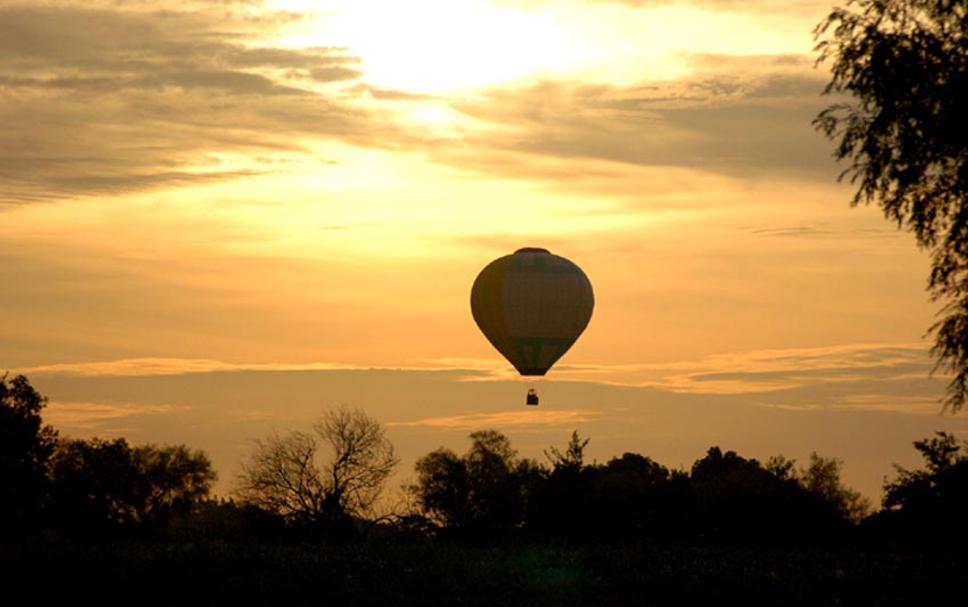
25, 448
724, 498
905, 63
822, 477
288, 475
105, 488
102, 489
633, 495
924, 509
560, 506
94, 487
781, 467
171, 480
226, 520
737, 498
573, 457
443, 488
485, 491
937, 495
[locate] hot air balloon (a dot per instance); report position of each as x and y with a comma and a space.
532, 306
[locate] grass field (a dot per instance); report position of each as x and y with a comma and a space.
442, 573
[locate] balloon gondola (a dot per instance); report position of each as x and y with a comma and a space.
532, 306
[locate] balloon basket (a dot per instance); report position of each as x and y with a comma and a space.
532, 398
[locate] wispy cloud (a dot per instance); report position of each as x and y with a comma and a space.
851, 375
733, 116
797, 231
146, 367
152, 367
751, 372
502, 419
770, 370
103, 98
72, 416
759, 6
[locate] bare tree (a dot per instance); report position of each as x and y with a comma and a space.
293, 477
281, 476
362, 459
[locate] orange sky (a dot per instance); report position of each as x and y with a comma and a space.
224, 194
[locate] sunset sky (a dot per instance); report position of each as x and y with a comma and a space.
221, 218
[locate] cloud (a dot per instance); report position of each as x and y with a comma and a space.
796, 371
389, 94
735, 116
334, 74
103, 98
865, 376
798, 231
149, 367
808, 7
81, 416
856, 375
155, 367
504, 419
828, 230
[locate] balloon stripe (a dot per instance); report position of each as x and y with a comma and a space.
486, 305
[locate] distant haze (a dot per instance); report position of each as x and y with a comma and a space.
224, 411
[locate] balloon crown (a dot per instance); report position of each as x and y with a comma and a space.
532, 250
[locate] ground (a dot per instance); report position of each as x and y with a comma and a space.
447, 573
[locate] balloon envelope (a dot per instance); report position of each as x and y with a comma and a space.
532, 306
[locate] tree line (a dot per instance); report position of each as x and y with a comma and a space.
329, 484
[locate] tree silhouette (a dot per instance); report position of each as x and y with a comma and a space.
172, 480
925, 508
737, 499
573, 457
281, 476
485, 491
634, 496
822, 477
561, 504
725, 498
936, 497
25, 448
106, 488
443, 489
95, 491
289, 476
905, 63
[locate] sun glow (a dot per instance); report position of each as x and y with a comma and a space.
448, 46
433, 46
